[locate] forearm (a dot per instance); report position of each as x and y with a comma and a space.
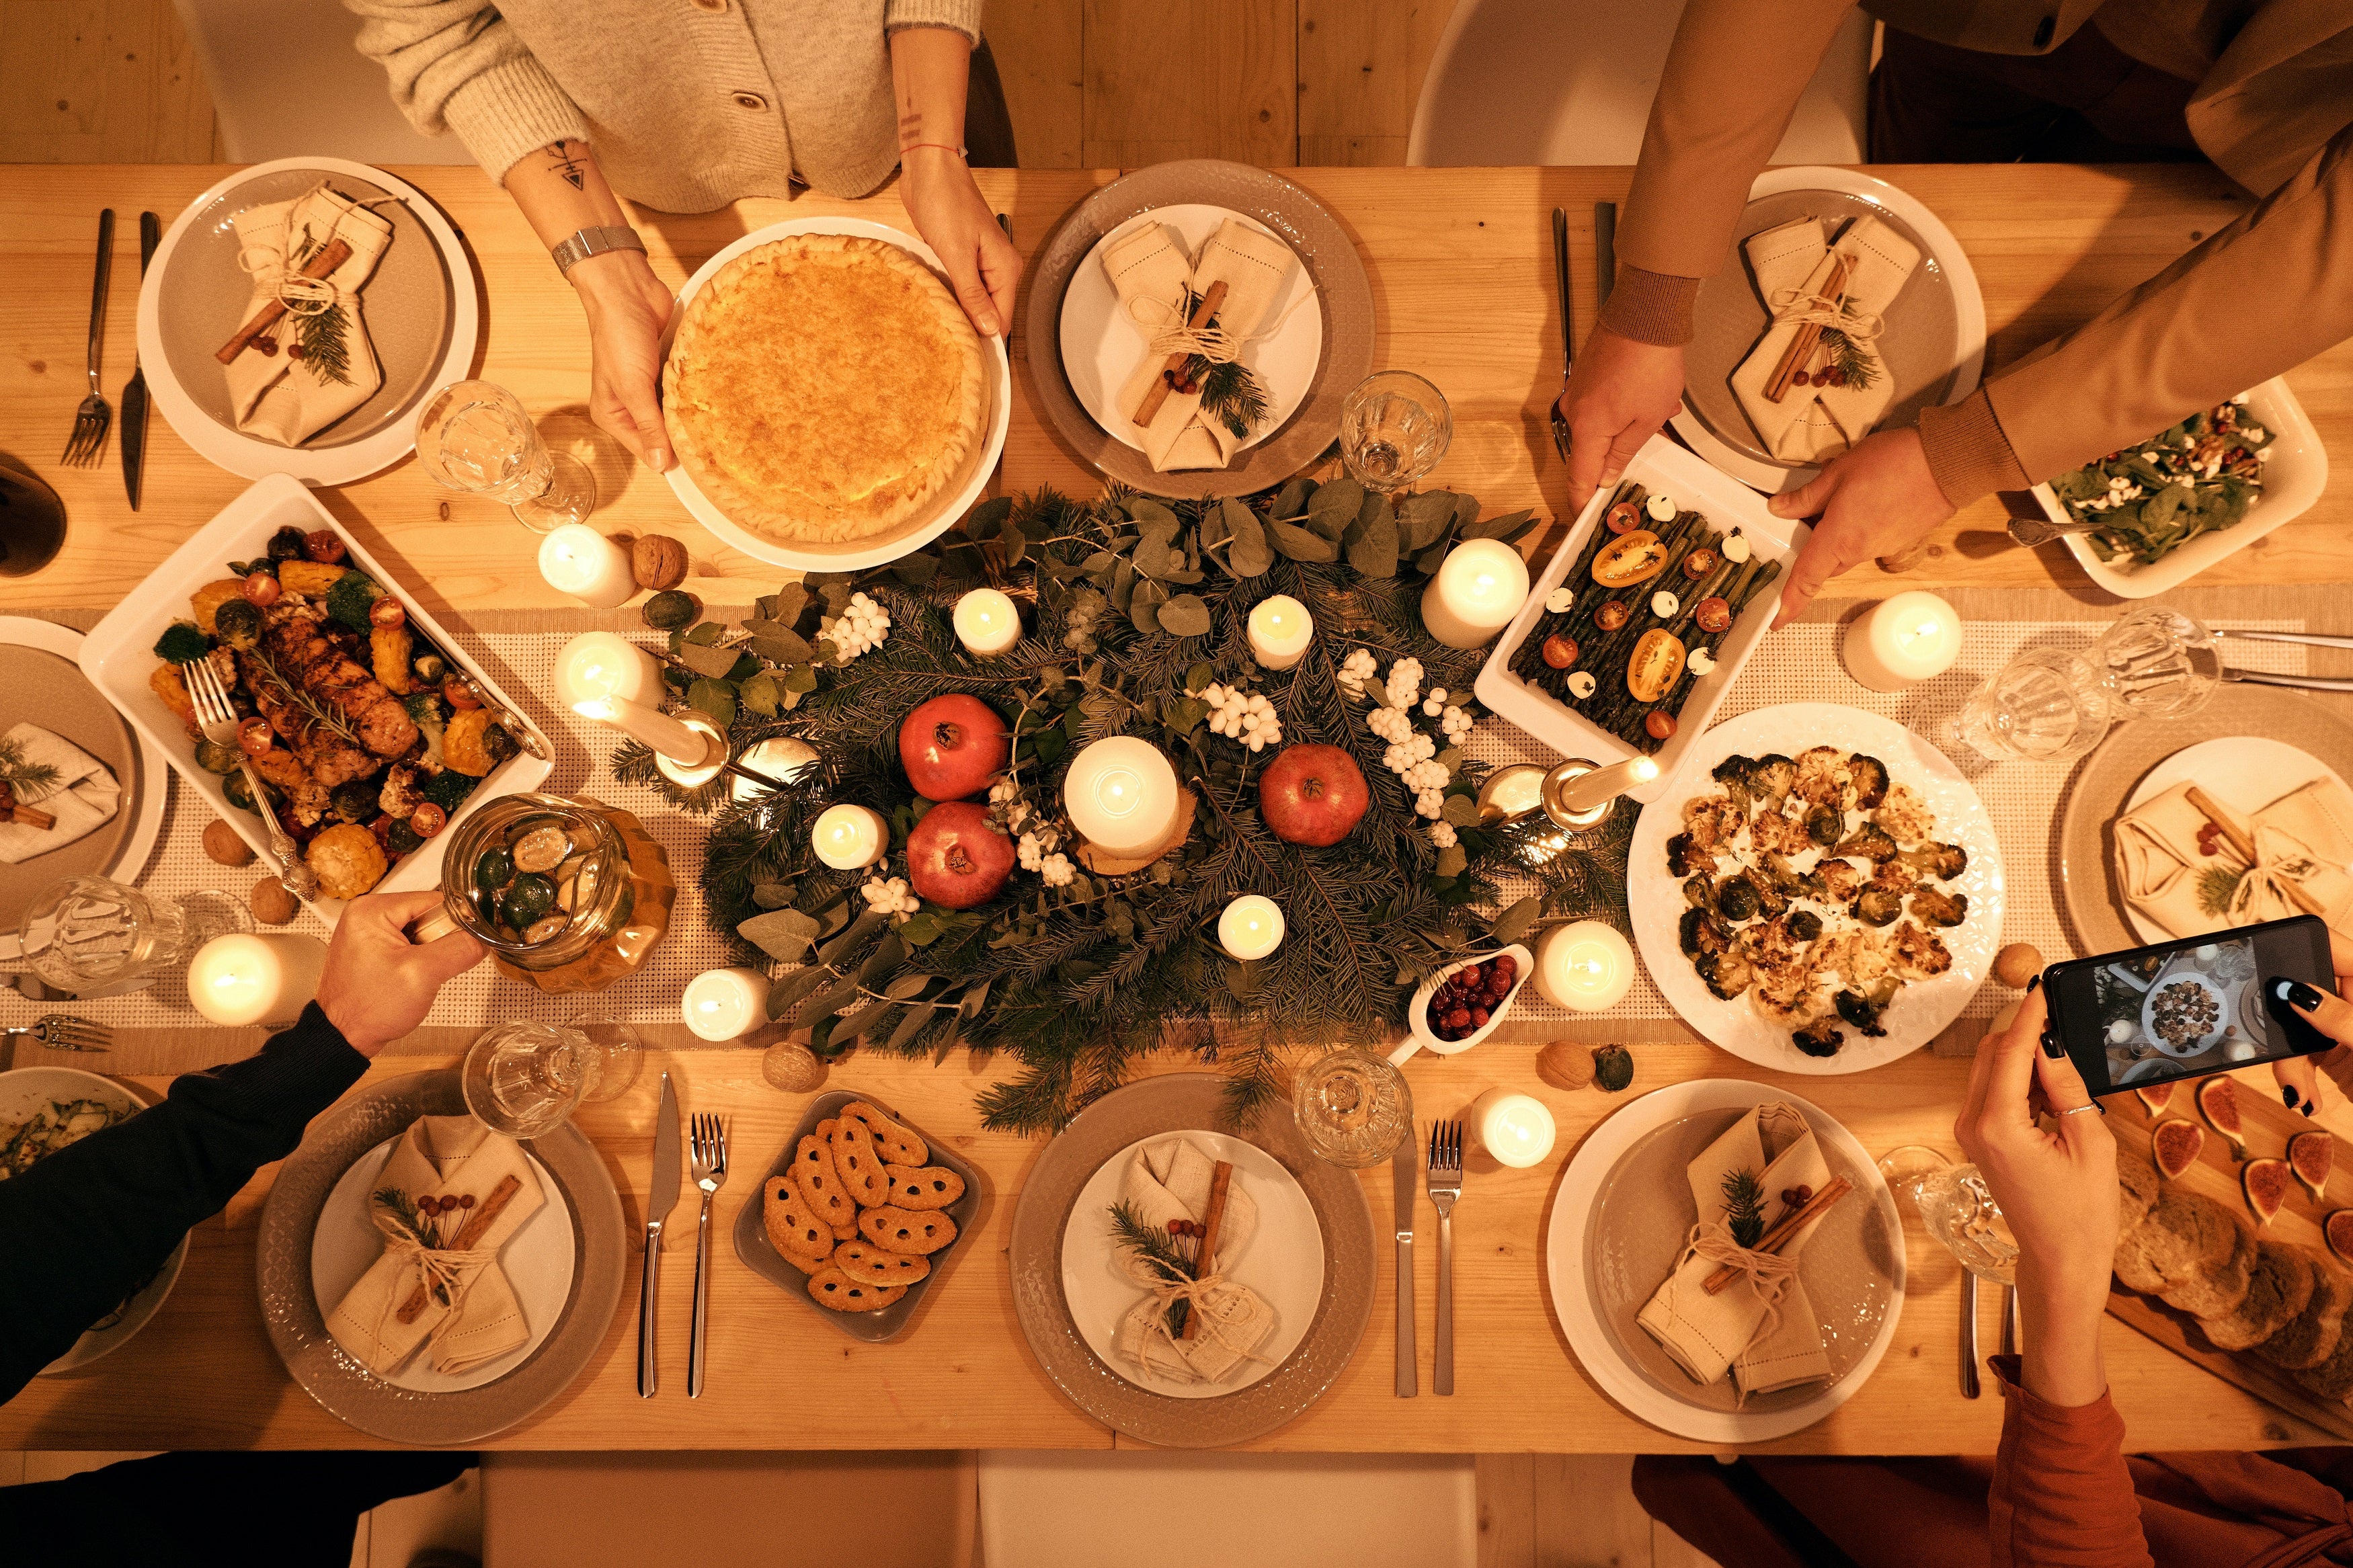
2059, 1335
460, 67
561, 190
931, 68
2062, 1492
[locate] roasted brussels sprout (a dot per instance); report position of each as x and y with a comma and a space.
1788, 880
1686, 859
1804, 925
400, 838
238, 624
285, 544
1698, 891
431, 668
1775, 774
1868, 776
1701, 932
1733, 774
1728, 974
1736, 900
1862, 1012
1942, 861
354, 802
240, 794
1878, 906
1938, 908
1818, 1038
1871, 841
1823, 825
215, 758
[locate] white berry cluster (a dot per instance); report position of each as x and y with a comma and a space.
1412, 751
1006, 804
1451, 718
863, 627
1355, 670
1405, 682
893, 897
1037, 846
1441, 834
1245, 716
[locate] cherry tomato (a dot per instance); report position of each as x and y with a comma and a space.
1699, 563
428, 819
1610, 615
255, 737
1559, 651
454, 693
321, 545
1714, 614
386, 613
1625, 517
1659, 724
261, 590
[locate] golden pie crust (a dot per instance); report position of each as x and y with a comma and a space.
824, 388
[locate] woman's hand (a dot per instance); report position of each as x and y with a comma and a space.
2058, 1191
1873, 501
379, 985
1619, 392
949, 213
2299, 1077
628, 308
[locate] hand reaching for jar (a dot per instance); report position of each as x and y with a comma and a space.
379, 985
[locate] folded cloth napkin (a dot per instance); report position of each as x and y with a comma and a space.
1153, 276
1171, 1180
469, 1312
2304, 838
1765, 1334
1812, 424
277, 396
84, 798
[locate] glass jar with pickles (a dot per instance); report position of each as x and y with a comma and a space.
569, 895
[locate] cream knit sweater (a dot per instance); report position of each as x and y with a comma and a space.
689, 104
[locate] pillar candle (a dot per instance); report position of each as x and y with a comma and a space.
1584, 966
600, 664
656, 728
1479, 588
1251, 927
1280, 630
583, 562
847, 837
986, 622
725, 1004
1901, 641
1516, 1129
256, 977
1586, 791
1121, 794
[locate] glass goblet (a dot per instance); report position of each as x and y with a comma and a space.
2047, 705
88, 933
1393, 429
477, 436
1354, 1107
526, 1079
2158, 663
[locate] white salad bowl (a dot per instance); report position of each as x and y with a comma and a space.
1418, 1034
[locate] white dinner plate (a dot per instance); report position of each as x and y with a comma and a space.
954, 499
2242, 772
1611, 1242
1101, 343
537, 1261
1922, 1009
1283, 1262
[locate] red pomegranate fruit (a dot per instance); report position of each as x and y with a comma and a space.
1313, 794
952, 747
955, 858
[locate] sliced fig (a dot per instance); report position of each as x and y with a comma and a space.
2156, 1097
2338, 1229
2218, 1101
2175, 1144
2265, 1183
2313, 1155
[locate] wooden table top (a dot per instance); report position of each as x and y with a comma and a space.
1460, 266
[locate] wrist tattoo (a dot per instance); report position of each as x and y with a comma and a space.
572, 165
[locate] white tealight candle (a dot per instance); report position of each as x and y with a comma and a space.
1584, 966
1251, 927
987, 622
1586, 791
1121, 794
847, 836
600, 664
656, 728
583, 562
1516, 1129
256, 978
1280, 630
1480, 586
725, 1004
1901, 641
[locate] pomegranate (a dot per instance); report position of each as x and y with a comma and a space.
955, 858
952, 747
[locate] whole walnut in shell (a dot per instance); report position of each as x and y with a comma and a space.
223, 845
272, 904
658, 562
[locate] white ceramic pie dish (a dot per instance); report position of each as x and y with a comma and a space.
856, 554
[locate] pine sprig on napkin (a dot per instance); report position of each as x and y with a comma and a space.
30, 779
1744, 1207
1158, 1248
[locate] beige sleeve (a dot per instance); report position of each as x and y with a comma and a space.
457, 65
956, 15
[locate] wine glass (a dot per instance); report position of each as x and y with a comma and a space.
2047, 705
477, 436
1393, 429
1353, 1106
1956, 1208
88, 933
2158, 663
526, 1079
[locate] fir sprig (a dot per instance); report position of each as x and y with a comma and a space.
1849, 360
1231, 392
1744, 1207
1159, 1249
326, 351
30, 779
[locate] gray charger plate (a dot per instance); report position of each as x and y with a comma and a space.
760, 1255
348, 1390
1315, 236
1173, 1103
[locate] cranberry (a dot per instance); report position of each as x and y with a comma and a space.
1461, 1019
1506, 965
1478, 1017
467, 1202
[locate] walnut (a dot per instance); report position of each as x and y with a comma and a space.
272, 904
2016, 964
1563, 1064
658, 562
223, 845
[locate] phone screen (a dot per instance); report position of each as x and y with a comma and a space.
2184, 1009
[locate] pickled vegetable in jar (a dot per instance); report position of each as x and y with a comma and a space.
569, 895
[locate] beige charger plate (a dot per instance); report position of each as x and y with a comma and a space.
1301, 222
2086, 848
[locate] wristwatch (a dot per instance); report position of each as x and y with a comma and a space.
596, 241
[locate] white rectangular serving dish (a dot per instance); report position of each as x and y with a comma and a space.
2294, 477
1666, 468
119, 657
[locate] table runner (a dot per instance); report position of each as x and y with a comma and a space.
163, 1032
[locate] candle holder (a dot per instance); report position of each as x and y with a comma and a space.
1105, 863
1509, 794
693, 775
1556, 796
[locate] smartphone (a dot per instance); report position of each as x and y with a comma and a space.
2185, 1009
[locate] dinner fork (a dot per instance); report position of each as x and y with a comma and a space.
218, 721
92, 417
707, 1153
61, 1032
1445, 1185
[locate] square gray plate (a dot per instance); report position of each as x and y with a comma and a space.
760, 1255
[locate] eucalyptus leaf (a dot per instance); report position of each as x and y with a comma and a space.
1050, 745
761, 694
784, 935
1097, 563
705, 634
1249, 555
1242, 979
1373, 551
907, 986
1144, 609
1334, 507
1186, 616
800, 680
713, 697
1498, 526
1430, 560
984, 521
1514, 921
887, 955
1122, 590
916, 571
920, 929
1300, 544
711, 663
908, 1028
1426, 519
1199, 675
867, 922
1013, 541
776, 896
1461, 810
1185, 715
1153, 517
974, 998
858, 1025
1449, 759
786, 993
1291, 500
778, 644
1452, 860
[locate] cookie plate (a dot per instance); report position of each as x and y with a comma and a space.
760, 1255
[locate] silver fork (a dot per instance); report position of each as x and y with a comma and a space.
218, 721
92, 417
1445, 1186
61, 1032
707, 1153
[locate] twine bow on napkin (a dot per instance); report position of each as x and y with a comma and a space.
1813, 288
1154, 281
2303, 843
1233, 1321
314, 364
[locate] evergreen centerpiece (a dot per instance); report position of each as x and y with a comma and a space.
1136, 614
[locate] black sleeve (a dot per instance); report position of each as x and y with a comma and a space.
83, 1228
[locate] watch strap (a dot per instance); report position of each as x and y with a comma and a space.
595, 240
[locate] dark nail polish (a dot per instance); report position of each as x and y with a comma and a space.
2300, 995
2287, 1094
2051, 1046
2032, 983
2309, 1106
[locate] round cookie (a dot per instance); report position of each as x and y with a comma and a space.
906, 1230
2215, 1292
813, 1173
2279, 1288
2311, 1337
858, 1163
899, 1146
861, 1261
833, 1290
793, 1231
931, 1187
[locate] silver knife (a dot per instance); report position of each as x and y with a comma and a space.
1406, 1170
134, 396
662, 1197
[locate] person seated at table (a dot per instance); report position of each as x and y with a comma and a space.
2059, 1490
83, 1228
566, 102
2261, 87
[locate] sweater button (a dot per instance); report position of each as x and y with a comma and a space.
716, 7
751, 101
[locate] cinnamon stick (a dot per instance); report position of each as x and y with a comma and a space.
28, 816
2245, 846
476, 1223
1157, 392
1809, 336
1205, 1261
337, 252
1790, 1224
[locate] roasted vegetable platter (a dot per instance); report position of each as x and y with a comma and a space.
373, 731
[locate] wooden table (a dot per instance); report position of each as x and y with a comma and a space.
1460, 264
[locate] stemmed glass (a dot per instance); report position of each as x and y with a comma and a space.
477, 436
526, 1079
2158, 663
2047, 705
1393, 429
88, 933
1353, 1106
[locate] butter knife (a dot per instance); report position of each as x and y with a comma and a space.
662, 1197
134, 396
1406, 1171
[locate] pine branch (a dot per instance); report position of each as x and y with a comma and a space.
31, 781
1850, 365
1159, 1249
1230, 393
323, 337
1744, 1207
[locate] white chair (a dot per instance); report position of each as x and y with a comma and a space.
1147, 1509
1560, 82
288, 82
